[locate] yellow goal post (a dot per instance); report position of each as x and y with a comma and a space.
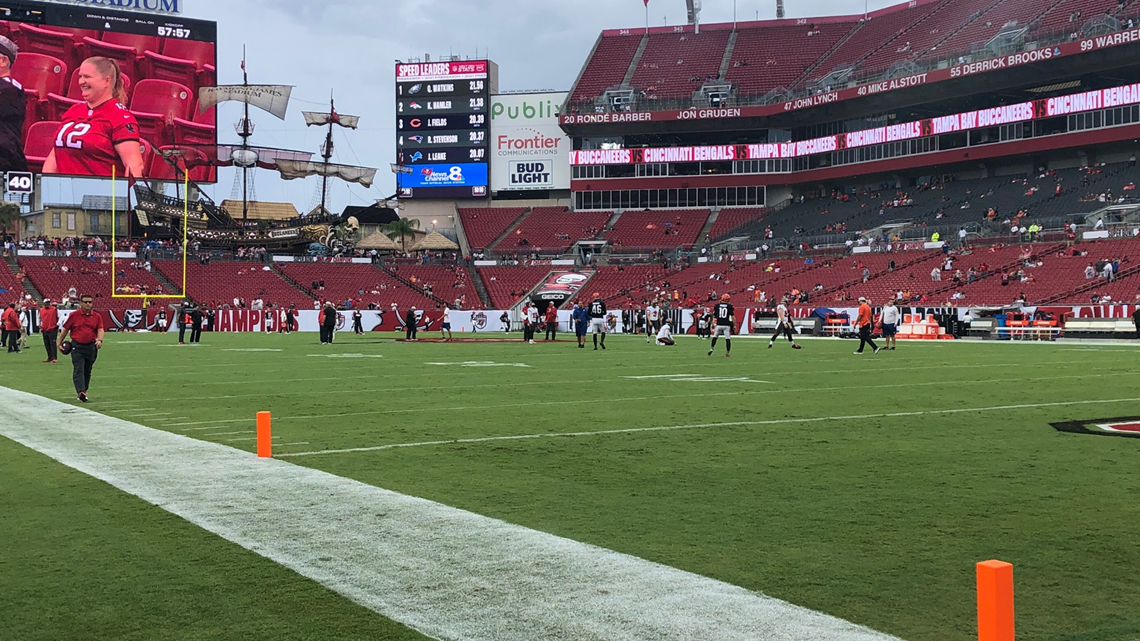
114, 243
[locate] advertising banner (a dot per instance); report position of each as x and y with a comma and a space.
529, 151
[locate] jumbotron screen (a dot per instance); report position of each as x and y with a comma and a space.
84, 116
442, 129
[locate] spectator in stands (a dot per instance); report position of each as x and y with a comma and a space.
935, 275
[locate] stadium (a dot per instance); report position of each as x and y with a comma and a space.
459, 457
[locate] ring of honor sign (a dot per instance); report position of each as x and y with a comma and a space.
443, 128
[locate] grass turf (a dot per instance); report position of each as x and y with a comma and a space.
878, 520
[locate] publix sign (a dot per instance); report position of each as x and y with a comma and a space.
529, 151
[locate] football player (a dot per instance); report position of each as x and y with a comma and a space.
783, 324
598, 319
724, 315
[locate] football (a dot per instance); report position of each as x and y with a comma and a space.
65, 348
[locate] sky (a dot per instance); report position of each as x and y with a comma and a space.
348, 49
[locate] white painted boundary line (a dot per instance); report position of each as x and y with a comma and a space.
695, 426
448, 573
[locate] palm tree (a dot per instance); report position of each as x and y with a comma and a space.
9, 215
401, 228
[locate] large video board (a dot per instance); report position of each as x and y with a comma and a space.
76, 120
443, 128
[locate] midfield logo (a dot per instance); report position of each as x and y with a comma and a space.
1123, 426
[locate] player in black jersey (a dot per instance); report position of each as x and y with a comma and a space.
598, 319
724, 315
13, 111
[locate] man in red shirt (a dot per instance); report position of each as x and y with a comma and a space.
86, 330
10, 321
49, 329
551, 322
863, 324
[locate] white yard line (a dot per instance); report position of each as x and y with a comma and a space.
593, 399
448, 573
695, 426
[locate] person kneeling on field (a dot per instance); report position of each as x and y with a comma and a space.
665, 336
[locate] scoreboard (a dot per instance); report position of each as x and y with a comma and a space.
443, 128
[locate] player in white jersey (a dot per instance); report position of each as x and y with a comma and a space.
725, 318
597, 309
652, 321
783, 324
665, 336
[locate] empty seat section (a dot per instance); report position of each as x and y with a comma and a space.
674, 65
51, 42
90, 277
765, 58
1069, 16
483, 225
621, 285
347, 282
220, 282
1018, 12
448, 283
649, 230
948, 18
552, 230
607, 67
871, 36
730, 220
507, 285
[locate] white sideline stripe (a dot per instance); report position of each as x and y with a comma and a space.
696, 426
449, 573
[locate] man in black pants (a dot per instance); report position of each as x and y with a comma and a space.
49, 330
196, 318
358, 323
1136, 320
864, 323
783, 324
86, 330
328, 323
183, 320
410, 325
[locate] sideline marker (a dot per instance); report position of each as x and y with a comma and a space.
995, 601
264, 435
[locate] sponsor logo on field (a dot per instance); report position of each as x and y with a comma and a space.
1122, 426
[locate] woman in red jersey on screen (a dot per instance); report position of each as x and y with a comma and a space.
100, 133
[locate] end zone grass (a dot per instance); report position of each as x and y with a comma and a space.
878, 519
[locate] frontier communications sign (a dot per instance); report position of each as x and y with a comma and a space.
529, 151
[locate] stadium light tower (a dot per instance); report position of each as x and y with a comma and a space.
694, 14
779, 9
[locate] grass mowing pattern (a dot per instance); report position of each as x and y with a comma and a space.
877, 521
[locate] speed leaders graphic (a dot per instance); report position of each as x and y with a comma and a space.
442, 126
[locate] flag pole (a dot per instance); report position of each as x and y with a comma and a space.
646, 17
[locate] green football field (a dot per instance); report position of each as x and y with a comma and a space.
866, 487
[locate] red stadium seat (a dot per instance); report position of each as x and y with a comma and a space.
160, 67
5, 30
207, 117
156, 103
191, 133
140, 44
40, 73
208, 77
126, 55
58, 105
50, 42
200, 53
39, 142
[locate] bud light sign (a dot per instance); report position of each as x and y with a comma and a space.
531, 174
